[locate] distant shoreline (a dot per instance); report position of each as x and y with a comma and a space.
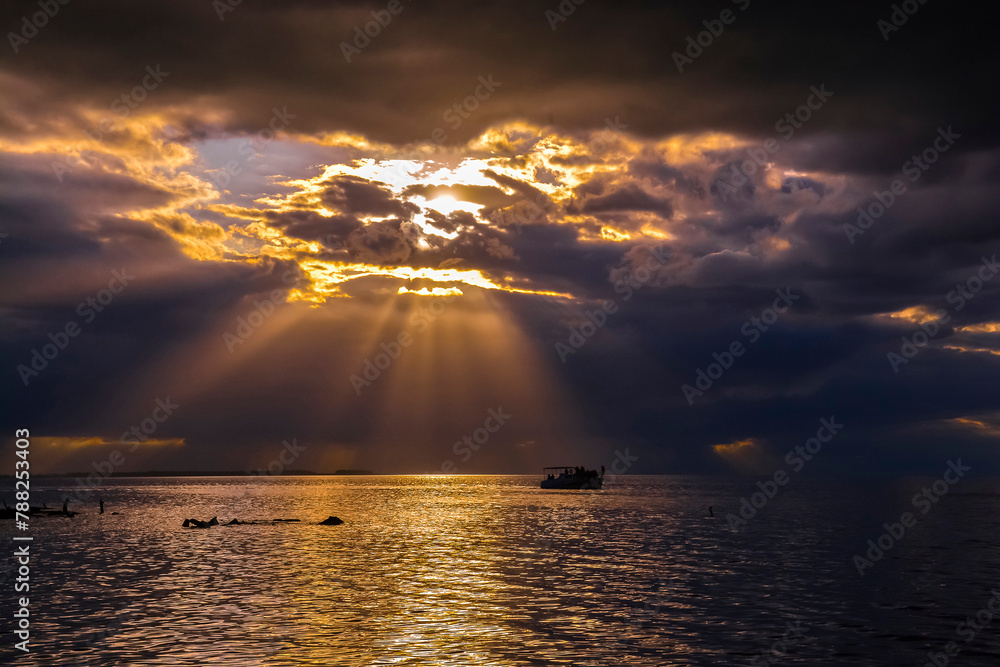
194, 473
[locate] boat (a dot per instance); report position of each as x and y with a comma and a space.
571, 477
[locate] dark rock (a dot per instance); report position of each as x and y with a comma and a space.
331, 521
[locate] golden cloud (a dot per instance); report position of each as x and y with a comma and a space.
81, 442
976, 426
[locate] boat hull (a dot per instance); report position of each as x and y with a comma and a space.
578, 484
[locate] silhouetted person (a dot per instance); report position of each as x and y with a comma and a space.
66, 506
710, 512
102, 505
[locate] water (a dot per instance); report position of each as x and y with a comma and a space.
491, 570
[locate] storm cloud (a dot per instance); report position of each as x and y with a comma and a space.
587, 245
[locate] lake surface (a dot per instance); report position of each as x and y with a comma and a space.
491, 570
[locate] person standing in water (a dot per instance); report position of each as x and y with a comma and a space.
66, 506
102, 504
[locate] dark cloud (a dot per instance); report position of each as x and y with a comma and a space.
331, 231
794, 184
356, 196
659, 171
132, 199
757, 71
629, 198
381, 242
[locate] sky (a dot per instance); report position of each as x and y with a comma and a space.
426, 237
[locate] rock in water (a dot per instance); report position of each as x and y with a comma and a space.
331, 521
